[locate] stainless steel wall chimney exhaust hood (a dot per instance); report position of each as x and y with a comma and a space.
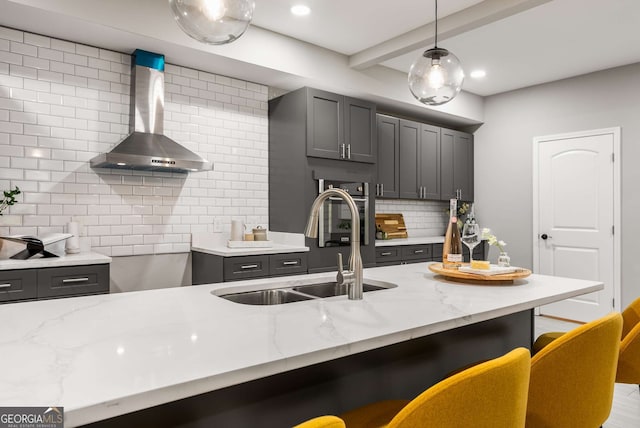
147, 148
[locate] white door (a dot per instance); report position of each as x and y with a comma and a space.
574, 179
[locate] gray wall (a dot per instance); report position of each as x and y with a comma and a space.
504, 149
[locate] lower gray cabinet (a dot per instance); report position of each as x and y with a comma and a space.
73, 280
19, 284
45, 283
209, 268
402, 254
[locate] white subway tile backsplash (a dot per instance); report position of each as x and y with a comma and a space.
61, 103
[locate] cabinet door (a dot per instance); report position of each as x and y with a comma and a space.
388, 157
206, 268
325, 126
456, 165
360, 130
430, 161
409, 159
463, 166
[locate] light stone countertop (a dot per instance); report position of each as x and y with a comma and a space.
106, 355
88, 258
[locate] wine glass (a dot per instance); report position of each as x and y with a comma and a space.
471, 237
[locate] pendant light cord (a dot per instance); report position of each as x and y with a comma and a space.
435, 45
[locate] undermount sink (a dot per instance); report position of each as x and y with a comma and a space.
293, 293
330, 289
276, 296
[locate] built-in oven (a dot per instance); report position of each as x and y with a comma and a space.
335, 217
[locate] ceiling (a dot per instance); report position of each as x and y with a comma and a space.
548, 41
364, 48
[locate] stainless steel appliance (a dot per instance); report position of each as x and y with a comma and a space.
335, 217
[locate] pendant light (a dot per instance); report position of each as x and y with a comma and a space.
436, 77
214, 22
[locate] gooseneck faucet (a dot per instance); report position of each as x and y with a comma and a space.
352, 278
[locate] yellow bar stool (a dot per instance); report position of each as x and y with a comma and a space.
323, 422
492, 394
572, 378
629, 359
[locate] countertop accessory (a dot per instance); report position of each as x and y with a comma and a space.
72, 245
391, 225
495, 275
237, 230
259, 234
35, 245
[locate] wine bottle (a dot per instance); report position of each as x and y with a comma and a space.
452, 248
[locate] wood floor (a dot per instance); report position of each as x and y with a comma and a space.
626, 400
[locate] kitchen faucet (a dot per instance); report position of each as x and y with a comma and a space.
352, 278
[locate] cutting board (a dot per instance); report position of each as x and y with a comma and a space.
392, 225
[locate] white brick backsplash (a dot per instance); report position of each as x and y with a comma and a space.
62, 103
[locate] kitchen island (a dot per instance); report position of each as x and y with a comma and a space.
198, 356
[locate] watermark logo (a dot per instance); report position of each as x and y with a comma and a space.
31, 417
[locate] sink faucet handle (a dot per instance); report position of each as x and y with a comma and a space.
344, 276
340, 265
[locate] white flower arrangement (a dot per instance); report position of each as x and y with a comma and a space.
486, 234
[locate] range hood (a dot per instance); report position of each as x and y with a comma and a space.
147, 148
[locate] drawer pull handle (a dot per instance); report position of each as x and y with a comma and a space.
387, 253
74, 280
248, 266
291, 263
5, 285
418, 252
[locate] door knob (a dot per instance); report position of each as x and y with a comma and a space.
545, 236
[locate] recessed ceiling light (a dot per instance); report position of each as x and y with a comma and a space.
478, 74
300, 10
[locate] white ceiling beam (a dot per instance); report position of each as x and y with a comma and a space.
452, 25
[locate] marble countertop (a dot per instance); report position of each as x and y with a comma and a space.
106, 355
88, 258
216, 244
410, 241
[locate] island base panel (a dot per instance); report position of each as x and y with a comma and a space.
399, 371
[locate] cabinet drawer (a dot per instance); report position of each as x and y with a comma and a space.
18, 285
414, 252
287, 264
245, 267
387, 254
76, 280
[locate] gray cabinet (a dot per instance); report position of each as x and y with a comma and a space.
388, 184
44, 283
456, 165
210, 268
402, 254
419, 160
340, 127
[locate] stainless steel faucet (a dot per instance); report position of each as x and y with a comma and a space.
352, 278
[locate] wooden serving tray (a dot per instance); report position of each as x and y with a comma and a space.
503, 278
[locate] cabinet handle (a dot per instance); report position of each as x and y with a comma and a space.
385, 254
378, 192
248, 266
418, 251
5, 285
342, 151
290, 263
74, 280
382, 189
348, 151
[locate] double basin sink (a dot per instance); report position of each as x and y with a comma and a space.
295, 293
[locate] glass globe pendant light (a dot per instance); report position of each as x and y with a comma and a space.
436, 77
214, 22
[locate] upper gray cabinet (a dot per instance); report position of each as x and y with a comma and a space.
419, 160
340, 127
456, 165
388, 185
